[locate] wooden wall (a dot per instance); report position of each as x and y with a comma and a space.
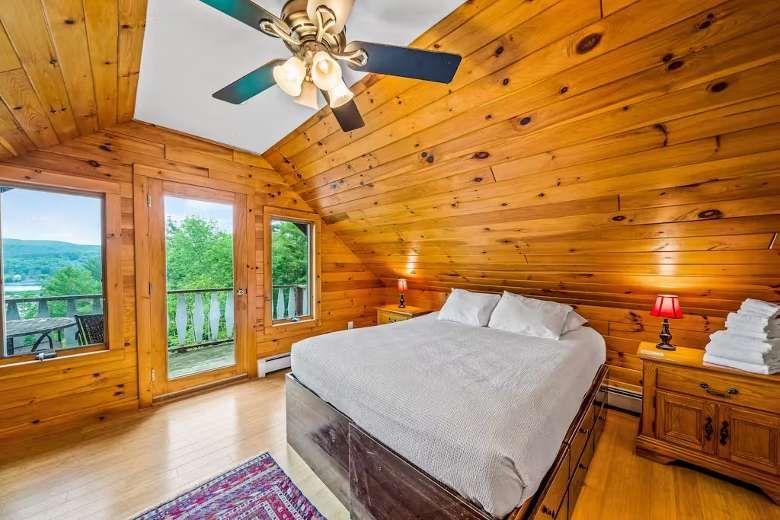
67, 68
594, 152
54, 391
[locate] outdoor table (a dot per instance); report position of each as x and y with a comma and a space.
42, 326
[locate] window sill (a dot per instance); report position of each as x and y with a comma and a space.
69, 354
292, 326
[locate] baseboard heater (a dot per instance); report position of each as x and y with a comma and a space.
271, 364
623, 399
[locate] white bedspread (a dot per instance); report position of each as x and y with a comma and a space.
482, 410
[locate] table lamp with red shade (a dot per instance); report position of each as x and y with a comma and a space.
401, 291
666, 306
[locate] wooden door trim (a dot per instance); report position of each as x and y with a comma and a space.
149, 222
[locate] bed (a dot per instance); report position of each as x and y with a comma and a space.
477, 418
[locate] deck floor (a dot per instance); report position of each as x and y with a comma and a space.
201, 359
136, 460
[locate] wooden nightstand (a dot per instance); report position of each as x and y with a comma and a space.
722, 419
392, 313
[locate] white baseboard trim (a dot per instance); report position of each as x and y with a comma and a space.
624, 399
271, 364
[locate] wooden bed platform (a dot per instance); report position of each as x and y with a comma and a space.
373, 482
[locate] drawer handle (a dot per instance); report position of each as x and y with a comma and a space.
582, 466
729, 392
547, 511
583, 430
724, 433
708, 429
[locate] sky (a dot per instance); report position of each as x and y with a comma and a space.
41, 215
178, 208
44, 215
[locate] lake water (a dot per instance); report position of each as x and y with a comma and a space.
10, 288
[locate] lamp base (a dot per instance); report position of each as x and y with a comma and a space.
401, 303
666, 337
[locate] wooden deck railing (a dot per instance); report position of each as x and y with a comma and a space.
200, 318
196, 317
26, 308
290, 301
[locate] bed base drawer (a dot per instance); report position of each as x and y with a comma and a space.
553, 500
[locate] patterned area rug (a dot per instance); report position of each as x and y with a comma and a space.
257, 489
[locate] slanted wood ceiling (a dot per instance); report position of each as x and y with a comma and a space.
592, 152
67, 68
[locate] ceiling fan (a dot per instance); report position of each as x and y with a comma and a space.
315, 33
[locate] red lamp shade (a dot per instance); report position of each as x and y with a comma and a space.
667, 306
401, 285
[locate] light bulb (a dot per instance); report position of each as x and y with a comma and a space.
325, 71
289, 76
308, 97
340, 95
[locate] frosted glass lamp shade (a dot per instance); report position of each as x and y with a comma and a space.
339, 95
325, 71
290, 76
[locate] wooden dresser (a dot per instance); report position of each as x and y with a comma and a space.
725, 420
392, 313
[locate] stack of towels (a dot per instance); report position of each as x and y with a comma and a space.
751, 341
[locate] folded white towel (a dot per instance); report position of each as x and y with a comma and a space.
730, 339
746, 356
749, 324
760, 307
747, 367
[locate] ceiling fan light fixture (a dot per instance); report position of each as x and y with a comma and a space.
340, 9
290, 76
340, 95
325, 71
308, 97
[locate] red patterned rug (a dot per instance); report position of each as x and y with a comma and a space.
258, 489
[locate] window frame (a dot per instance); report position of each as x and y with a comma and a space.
110, 194
269, 214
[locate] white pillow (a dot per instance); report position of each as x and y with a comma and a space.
529, 317
469, 308
573, 322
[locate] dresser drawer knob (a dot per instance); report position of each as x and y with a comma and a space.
547, 511
717, 393
708, 429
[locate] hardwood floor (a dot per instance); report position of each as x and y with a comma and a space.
135, 461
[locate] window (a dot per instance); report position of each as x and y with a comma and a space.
53, 257
292, 267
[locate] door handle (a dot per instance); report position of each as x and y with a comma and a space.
240, 292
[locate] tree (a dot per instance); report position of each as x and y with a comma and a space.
71, 280
289, 253
198, 254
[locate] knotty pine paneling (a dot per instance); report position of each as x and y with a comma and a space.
36, 394
594, 153
67, 69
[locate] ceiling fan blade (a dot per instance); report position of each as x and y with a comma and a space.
347, 115
250, 85
406, 62
245, 11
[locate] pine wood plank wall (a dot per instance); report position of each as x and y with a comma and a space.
36, 394
592, 152
67, 69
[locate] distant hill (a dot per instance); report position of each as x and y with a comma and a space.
36, 260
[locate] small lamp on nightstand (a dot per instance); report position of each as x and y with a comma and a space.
401, 291
666, 306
